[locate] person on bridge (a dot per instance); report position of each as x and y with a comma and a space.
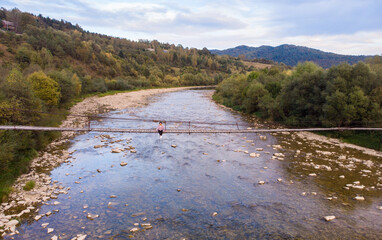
160, 129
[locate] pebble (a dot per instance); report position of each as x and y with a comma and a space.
279, 180
146, 225
56, 203
379, 207
123, 164
44, 225
214, 214
312, 174
254, 155
80, 237
133, 151
50, 230
116, 150
261, 182
359, 198
48, 214
113, 196
134, 229
54, 238
92, 216
174, 146
85, 206
38, 217
342, 176
259, 149
329, 218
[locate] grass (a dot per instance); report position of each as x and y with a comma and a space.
29, 185
368, 139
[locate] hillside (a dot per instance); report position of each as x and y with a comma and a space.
290, 55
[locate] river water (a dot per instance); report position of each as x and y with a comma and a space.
207, 187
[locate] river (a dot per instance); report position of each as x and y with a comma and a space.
208, 186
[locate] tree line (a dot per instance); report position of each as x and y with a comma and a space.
309, 96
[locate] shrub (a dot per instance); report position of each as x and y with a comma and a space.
29, 185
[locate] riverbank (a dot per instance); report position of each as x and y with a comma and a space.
310, 136
22, 203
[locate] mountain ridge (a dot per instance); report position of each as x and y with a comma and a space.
290, 54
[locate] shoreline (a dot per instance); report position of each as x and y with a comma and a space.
23, 203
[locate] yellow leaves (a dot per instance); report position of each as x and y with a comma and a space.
45, 88
77, 84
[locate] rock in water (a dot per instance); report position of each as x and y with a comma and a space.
254, 155
214, 214
92, 216
146, 225
134, 229
174, 146
116, 150
50, 230
329, 218
261, 182
123, 164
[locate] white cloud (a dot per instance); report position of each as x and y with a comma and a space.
353, 27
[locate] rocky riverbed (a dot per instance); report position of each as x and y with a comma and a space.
115, 185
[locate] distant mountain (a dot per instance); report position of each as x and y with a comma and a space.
290, 55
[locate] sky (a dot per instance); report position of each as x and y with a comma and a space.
351, 27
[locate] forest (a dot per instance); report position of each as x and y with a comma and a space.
309, 96
46, 65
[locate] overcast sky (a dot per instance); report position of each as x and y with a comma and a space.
339, 26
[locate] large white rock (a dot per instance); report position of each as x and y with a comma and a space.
92, 216
329, 218
11, 223
359, 198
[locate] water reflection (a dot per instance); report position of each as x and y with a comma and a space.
208, 185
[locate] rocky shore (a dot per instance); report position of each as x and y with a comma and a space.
22, 203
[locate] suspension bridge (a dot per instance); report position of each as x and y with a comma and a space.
237, 128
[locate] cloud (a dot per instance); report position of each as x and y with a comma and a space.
330, 25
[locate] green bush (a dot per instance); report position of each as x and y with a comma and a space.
29, 185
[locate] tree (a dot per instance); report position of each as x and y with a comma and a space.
45, 88
19, 92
